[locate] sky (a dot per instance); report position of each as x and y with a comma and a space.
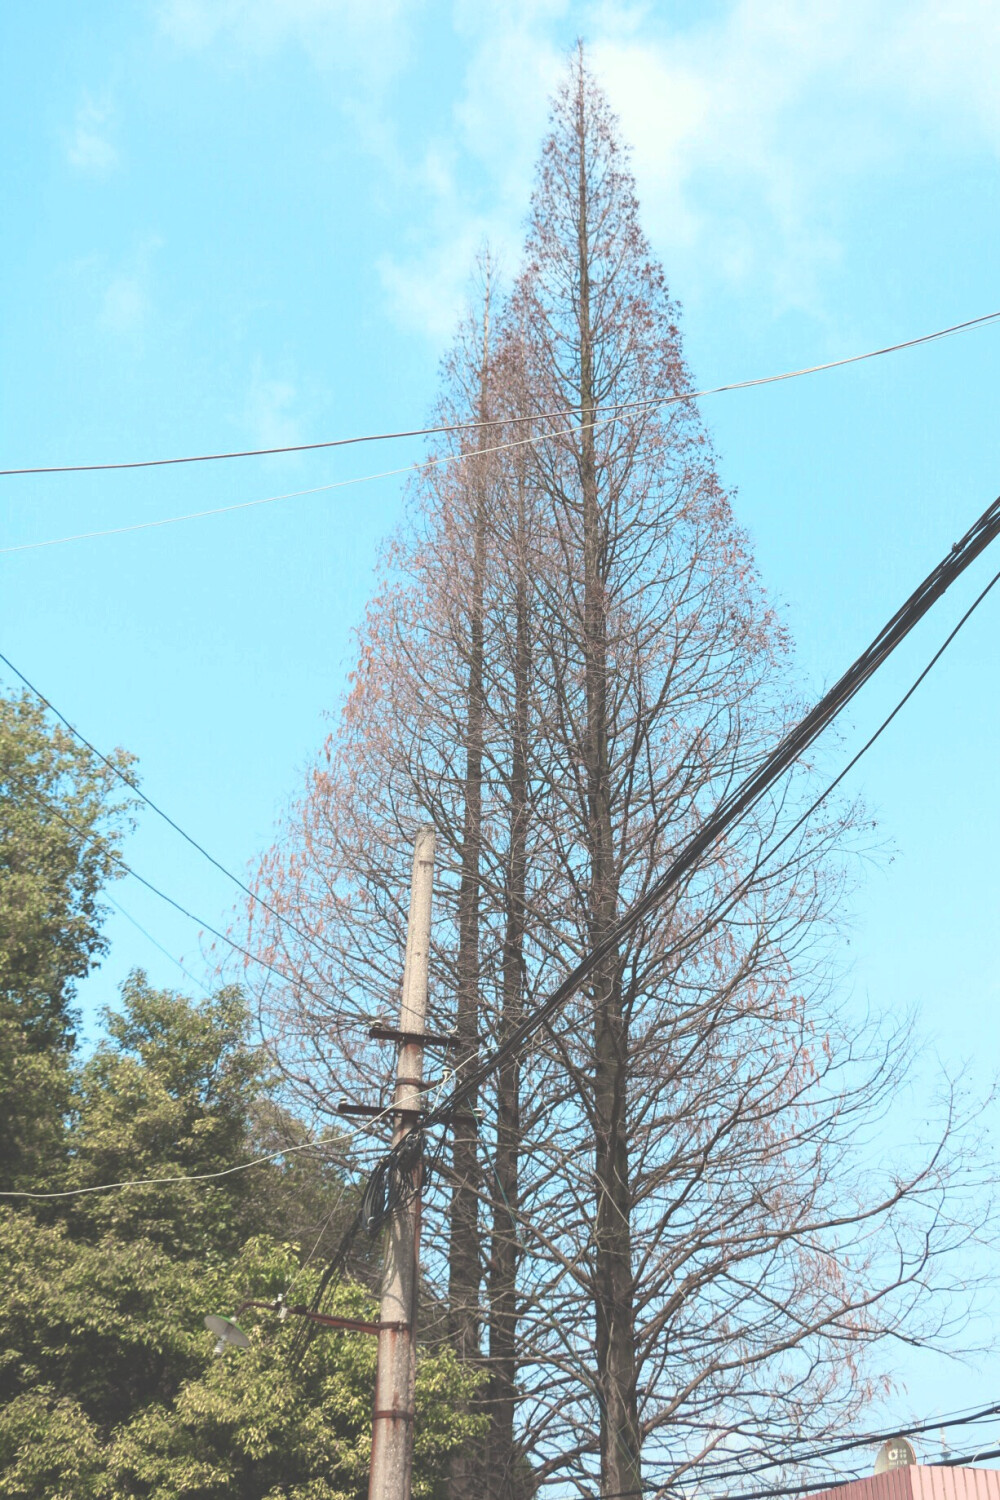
243, 223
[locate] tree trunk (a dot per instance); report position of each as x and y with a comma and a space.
464, 1270
502, 1468
620, 1445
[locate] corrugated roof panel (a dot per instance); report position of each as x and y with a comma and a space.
920, 1482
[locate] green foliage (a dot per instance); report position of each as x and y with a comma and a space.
260, 1424
58, 831
48, 1447
108, 1385
166, 1093
59, 825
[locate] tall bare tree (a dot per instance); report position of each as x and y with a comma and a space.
569, 661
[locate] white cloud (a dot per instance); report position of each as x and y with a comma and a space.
126, 303
269, 415
361, 44
751, 130
124, 306
751, 125
89, 147
356, 37
498, 120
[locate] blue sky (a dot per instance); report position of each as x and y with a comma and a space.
235, 223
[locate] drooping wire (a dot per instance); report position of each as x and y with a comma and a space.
744, 797
718, 912
792, 745
388, 1182
106, 895
133, 1182
444, 428
346, 1018
441, 460
718, 1470
812, 1488
160, 812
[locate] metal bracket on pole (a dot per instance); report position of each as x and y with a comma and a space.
379, 1033
329, 1320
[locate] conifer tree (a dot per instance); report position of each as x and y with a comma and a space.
569, 660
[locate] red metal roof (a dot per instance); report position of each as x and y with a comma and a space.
920, 1482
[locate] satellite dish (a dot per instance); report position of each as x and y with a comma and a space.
895, 1453
226, 1333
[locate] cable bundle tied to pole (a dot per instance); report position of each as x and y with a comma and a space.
392, 1183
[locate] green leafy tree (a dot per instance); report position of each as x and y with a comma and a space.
108, 1386
263, 1424
60, 823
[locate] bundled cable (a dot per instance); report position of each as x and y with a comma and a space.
393, 1182
743, 798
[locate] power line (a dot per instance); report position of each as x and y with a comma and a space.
384, 437
742, 800
860, 1440
137, 791
130, 1182
718, 912
439, 461
962, 554
818, 1486
813, 1488
155, 942
746, 796
347, 1018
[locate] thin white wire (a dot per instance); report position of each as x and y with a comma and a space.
340, 484
156, 944
652, 401
107, 1187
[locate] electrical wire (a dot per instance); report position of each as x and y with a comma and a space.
413, 432
813, 1488
378, 1200
717, 913
198, 515
962, 554
715, 1472
863, 1440
156, 944
130, 1182
745, 796
438, 461
718, 1470
444, 459
154, 807
858, 1440
347, 1018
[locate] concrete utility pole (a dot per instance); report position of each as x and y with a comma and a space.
392, 1427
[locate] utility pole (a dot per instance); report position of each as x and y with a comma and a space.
392, 1426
